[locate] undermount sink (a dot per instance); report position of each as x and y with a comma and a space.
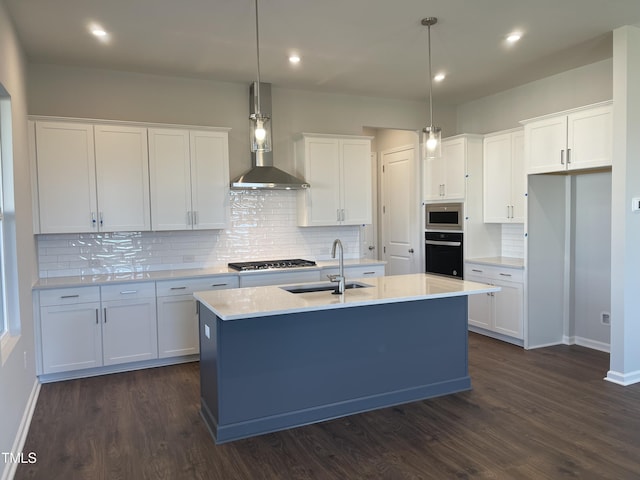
322, 287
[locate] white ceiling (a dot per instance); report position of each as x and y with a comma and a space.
364, 47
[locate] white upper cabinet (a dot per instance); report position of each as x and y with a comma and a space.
444, 177
504, 177
574, 140
65, 162
189, 171
338, 168
91, 177
122, 178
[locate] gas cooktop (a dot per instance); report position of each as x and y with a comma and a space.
263, 265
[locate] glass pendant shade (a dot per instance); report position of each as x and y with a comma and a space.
431, 142
260, 132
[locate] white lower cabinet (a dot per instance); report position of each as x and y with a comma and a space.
178, 316
79, 331
70, 329
129, 329
500, 312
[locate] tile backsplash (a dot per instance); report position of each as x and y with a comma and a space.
513, 240
262, 226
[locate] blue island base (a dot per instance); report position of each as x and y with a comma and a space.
264, 374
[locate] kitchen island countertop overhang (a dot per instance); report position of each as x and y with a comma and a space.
272, 360
266, 301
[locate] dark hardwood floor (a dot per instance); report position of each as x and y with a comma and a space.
541, 414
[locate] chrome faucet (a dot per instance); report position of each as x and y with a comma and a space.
340, 277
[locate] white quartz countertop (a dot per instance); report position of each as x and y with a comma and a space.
151, 276
239, 303
511, 262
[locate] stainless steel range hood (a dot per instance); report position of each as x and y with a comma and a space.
264, 175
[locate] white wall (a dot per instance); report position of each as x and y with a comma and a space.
591, 265
17, 382
570, 89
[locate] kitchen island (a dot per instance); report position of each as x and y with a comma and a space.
271, 359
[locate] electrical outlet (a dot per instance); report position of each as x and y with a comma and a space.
635, 204
605, 318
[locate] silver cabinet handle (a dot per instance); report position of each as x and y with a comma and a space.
96, 316
189, 219
105, 314
219, 285
371, 247
195, 217
344, 216
562, 157
69, 296
128, 292
568, 156
505, 274
94, 222
101, 219
476, 270
369, 273
178, 288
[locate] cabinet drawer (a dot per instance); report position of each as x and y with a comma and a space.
67, 296
128, 290
494, 272
278, 278
360, 271
168, 288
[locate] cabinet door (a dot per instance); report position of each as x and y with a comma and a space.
518, 178
322, 171
454, 154
509, 309
122, 178
129, 330
433, 179
480, 305
546, 142
66, 177
589, 138
497, 178
71, 338
170, 179
177, 326
209, 179
356, 182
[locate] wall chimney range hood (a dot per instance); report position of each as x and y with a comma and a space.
263, 175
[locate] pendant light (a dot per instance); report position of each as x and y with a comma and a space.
260, 123
432, 136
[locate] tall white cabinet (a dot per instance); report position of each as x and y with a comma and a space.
91, 177
189, 171
338, 168
504, 177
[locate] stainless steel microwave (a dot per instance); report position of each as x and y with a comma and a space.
444, 216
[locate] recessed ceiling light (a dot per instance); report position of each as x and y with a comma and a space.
99, 32
294, 59
439, 77
513, 37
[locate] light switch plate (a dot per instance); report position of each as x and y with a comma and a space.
635, 204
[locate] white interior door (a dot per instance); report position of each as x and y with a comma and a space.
400, 230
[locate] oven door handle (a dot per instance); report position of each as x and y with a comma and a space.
444, 244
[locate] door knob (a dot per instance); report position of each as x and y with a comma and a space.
371, 247
411, 250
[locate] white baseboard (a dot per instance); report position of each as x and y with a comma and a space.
623, 379
587, 342
23, 429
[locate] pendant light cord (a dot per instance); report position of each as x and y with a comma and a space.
430, 76
258, 62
